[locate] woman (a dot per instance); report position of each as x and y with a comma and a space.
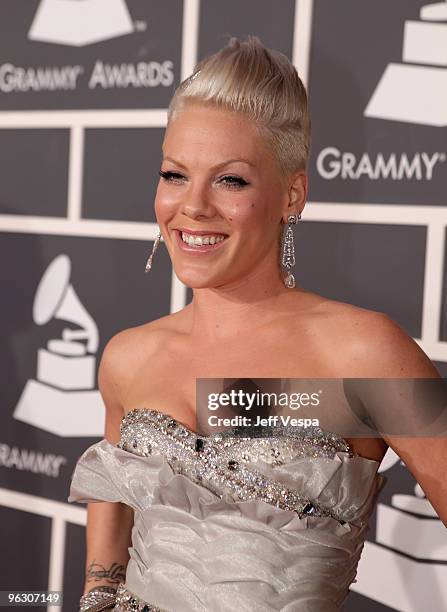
162, 528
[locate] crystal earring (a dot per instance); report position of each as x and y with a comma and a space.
288, 253
154, 248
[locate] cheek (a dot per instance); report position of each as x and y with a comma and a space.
165, 206
251, 215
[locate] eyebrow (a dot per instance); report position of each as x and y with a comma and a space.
220, 165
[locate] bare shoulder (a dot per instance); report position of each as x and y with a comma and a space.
113, 367
129, 348
124, 354
375, 344
379, 347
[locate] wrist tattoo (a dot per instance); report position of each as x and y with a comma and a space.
114, 574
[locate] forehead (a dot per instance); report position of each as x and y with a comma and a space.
210, 133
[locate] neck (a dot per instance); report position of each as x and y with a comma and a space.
246, 304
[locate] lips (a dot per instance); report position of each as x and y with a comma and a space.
200, 232
197, 250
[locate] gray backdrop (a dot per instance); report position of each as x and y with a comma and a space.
83, 94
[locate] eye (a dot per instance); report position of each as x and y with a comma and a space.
236, 181
230, 181
168, 176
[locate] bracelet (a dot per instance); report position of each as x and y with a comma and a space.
97, 599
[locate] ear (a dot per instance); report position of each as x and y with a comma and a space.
297, 194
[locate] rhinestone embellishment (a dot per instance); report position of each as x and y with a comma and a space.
199, 444
223, 462
126, 601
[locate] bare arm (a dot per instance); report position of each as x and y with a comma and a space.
392, 354
109, 524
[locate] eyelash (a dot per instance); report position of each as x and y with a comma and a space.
236, 185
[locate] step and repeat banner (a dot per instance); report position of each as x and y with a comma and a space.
84, 88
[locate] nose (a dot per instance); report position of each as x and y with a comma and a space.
197, 203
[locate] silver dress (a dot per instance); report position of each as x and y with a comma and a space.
231, 522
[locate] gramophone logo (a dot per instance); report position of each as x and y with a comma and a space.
63, 399
415, 91
410, 549
80, 22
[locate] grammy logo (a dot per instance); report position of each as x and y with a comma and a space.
80, 22
63, 399
425, 63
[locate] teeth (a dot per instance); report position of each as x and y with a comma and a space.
201, 240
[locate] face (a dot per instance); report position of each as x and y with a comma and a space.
219, 177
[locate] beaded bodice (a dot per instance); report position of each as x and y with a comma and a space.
231, 464
225, 521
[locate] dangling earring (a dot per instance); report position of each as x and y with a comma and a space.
288, 254
154, 248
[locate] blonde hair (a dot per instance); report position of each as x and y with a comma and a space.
263, 84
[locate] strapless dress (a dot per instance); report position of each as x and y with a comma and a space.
233, 522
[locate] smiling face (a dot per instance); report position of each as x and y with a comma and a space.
204, 189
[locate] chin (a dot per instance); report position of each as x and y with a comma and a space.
196, 281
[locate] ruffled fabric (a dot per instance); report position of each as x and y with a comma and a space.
194, 551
